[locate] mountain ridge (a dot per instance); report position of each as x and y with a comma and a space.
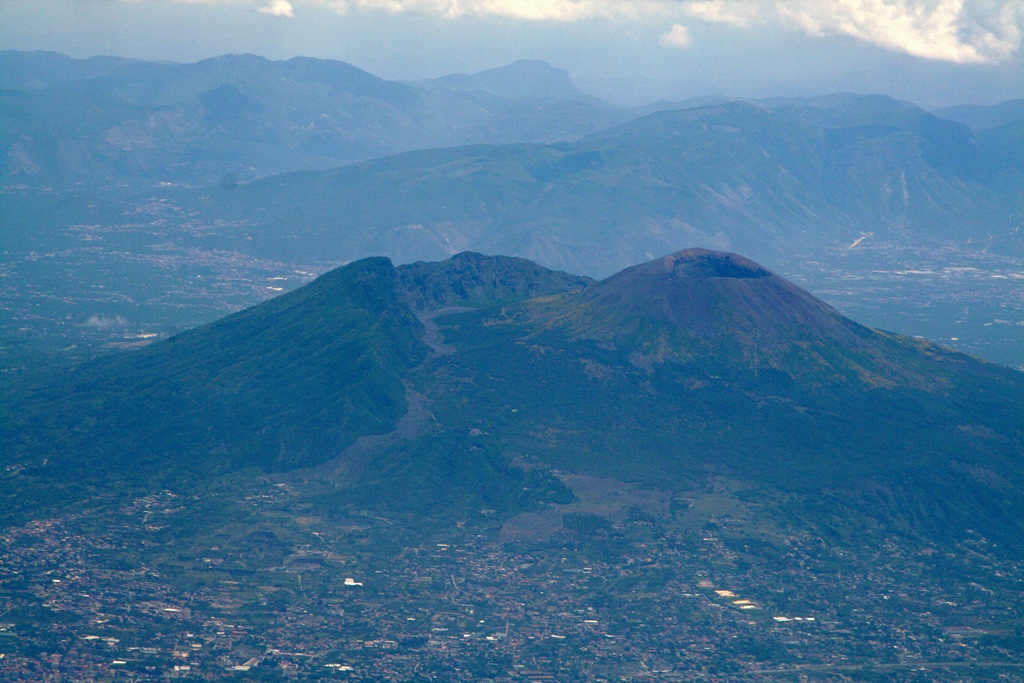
523, 79
735, 176
136, 122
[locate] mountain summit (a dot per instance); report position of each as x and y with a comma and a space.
523, 79
716, 295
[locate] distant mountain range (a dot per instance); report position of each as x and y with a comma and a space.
930, 83
241, 116
767, 178
985, 117
478, 381
772, 179
236, 117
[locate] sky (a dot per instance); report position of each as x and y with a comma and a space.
967, 50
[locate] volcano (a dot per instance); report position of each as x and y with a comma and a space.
715, 295
481, 380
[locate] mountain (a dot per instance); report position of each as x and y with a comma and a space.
984, 117
237, 391
470, 279
933, 84
38, 70
717, 299
848, 110
770, 180
107, 119
525, 79
485, 381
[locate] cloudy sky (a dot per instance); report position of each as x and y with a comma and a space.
958, 44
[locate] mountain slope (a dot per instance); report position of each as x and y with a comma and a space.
718, 298
284, 384
470, 279
698, 367
704, 365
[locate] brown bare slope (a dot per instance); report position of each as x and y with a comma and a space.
715, 295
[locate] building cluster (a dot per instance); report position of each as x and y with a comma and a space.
113, 595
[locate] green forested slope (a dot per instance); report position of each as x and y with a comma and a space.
287, 383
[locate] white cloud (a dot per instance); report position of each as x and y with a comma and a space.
278, 8
678, 36
533, 10
964, 31
740, 14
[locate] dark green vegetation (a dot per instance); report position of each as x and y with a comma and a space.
274, 387
770, 179
467, 279
234, 117
693, 367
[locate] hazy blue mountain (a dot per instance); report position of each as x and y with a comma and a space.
38, 70
793, 182
760, 179
525, 79
984, 117
846, 110
931, 83
695, 366
101, 120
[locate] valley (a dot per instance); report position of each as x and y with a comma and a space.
148, 268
